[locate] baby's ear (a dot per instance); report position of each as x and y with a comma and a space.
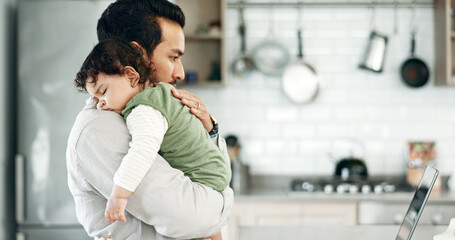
132, 75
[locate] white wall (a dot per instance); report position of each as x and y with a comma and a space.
280, 137
6, 144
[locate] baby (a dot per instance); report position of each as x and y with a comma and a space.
117, 77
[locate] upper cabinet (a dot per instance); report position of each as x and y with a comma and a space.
444, 31
204, 60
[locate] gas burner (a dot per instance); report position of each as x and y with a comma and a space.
364, 186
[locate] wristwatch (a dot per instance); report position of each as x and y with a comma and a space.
214, 132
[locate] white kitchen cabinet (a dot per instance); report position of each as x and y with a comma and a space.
444, 32
204, 59
388, 213
285, 213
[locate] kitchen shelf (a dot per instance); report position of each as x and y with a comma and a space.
327, 4
190, 37
204, 53
444, 43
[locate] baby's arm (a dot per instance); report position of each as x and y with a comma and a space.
147, 127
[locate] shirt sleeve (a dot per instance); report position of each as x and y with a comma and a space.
147, 127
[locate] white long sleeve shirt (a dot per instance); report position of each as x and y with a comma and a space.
147, 127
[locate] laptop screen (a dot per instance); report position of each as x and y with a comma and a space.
417, 204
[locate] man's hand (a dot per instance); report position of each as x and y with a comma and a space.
196, 106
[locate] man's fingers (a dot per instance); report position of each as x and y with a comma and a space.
176, 93
196, 106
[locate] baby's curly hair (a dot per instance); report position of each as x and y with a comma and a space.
111, 56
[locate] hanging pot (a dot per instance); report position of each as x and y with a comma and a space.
300, 81
414, 72
269, 56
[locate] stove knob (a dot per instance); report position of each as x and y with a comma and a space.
341, 188
328, 188
366, 189
307, 187
389, 188
378, 189
353, 189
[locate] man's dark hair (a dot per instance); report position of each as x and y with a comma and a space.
137, 20
111, 56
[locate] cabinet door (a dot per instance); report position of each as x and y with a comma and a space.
343, 213
276, 214
306, 213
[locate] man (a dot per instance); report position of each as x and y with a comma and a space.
167, 204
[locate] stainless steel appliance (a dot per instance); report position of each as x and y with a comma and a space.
331, 185
54, 39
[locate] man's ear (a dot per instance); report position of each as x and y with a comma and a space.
132, 75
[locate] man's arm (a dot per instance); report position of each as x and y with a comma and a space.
166, 199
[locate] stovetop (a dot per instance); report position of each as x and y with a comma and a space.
352, 186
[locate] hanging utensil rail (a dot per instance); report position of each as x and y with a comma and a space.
328, 4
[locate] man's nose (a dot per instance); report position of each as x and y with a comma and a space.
179, 73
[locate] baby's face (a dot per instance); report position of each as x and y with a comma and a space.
112, 92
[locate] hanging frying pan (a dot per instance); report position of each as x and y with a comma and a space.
414, 71
300, 81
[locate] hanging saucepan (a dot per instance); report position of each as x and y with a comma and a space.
414, 72
270, 57
300, 81
243, 63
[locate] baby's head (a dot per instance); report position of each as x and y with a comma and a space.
113, 73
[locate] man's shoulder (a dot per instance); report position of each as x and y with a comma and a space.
93, 121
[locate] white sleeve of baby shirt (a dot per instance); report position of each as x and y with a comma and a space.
147, 127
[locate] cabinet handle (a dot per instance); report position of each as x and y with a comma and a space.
436, 219
20, 178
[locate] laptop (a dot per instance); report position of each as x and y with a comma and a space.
417, 204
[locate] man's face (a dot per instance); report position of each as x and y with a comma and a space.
168, 53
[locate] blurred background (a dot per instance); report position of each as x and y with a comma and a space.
352, 101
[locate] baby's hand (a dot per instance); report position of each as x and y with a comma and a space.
115, 209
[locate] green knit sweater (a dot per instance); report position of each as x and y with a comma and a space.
186, 145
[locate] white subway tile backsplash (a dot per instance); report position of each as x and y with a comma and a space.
332, 130
311, 113
281, 115
253, 148
299, 130
378, 109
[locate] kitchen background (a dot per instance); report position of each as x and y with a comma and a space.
279, 137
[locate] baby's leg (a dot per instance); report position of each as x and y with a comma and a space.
215, 237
